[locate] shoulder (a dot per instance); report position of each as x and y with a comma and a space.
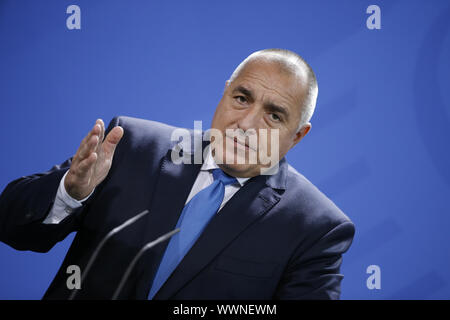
143, 128
309, 206
144, 142
144, 134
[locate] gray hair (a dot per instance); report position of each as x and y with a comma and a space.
296, 65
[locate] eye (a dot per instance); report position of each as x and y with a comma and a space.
275, 117
241, 99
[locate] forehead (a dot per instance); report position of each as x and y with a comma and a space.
271, 80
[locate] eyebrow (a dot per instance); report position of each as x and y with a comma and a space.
244, 91
275, 108
270, 106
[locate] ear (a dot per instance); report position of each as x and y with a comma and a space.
301, 133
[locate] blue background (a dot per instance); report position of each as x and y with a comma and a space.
379, 144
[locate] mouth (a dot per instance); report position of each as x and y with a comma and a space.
239, 142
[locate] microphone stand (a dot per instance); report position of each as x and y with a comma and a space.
148, 246
102, 243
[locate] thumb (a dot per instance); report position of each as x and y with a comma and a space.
111, 141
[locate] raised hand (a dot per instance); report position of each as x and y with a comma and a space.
92, 162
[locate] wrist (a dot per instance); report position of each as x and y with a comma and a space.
71, 192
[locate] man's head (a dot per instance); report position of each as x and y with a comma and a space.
271, 89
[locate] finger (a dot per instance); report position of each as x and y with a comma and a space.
102, 129
111, 141
84, 167
84, 145
94, 131
101, 135
88, 147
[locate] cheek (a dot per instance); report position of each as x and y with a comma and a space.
218, 116
286, 144
282, 143
226, 116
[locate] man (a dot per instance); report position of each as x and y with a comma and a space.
243, 234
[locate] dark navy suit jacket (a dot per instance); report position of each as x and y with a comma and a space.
278, 237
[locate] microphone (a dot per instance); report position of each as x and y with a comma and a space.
102, 243
148, 246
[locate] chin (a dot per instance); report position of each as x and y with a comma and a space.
240, 170
238, 164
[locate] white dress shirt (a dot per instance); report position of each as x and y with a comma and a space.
64, 204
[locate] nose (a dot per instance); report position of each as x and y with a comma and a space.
249, 120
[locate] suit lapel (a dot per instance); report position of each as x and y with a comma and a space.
172, 188
171, 191
249, 204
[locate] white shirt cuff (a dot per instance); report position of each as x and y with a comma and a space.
64, 204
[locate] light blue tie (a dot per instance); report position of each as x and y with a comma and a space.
193, 219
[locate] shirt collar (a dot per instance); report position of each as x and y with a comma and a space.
210, 164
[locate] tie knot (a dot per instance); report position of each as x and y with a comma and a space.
226, 179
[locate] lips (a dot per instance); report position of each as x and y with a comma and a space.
237, 141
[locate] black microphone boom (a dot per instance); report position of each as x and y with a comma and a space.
148, 246
102, 243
